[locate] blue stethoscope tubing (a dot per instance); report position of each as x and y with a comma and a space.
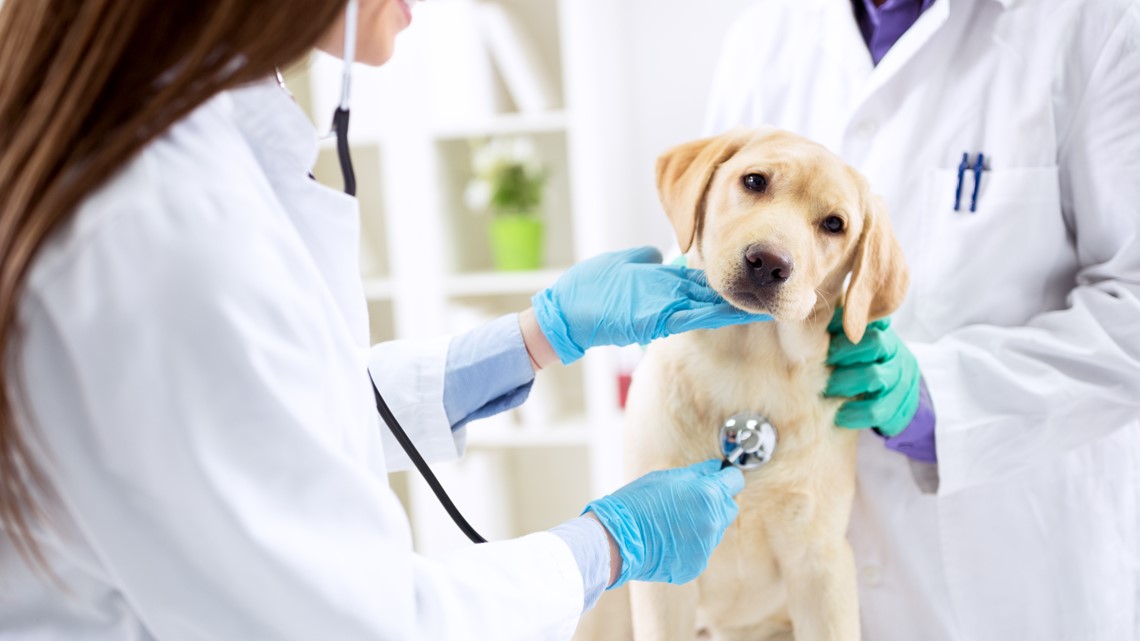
344, 156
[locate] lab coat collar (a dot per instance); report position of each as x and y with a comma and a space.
846, 45
278, 130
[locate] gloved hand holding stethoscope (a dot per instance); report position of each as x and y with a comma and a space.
667, 523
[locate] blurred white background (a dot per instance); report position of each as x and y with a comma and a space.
601, 87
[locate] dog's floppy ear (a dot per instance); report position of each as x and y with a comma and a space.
879, 277
683, 175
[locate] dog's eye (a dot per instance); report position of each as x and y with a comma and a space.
756, 182
834, 224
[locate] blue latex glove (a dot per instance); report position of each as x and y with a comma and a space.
667, 523
628, 297
879, 374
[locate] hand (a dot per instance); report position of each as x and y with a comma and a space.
667, 523
879, 374
628, 297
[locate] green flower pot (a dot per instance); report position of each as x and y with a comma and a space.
516, 242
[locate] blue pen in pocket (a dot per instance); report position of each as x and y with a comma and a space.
965, 164
979, 167
963, 167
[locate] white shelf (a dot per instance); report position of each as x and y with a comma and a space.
505, 125
568, 434
355, 142
378, 289
500, 283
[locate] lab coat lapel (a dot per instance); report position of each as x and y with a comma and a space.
903, 51
327, 221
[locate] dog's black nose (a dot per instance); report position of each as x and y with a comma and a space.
767, 266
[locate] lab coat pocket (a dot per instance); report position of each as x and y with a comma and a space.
993, 265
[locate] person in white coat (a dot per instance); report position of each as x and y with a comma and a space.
189, 446
1005, 137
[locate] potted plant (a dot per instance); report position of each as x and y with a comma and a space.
507, 183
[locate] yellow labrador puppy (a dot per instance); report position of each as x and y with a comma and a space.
780, 225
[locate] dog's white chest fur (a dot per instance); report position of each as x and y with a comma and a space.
685, 389
693, 382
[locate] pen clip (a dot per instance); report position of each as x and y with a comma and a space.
979, 167
961, 172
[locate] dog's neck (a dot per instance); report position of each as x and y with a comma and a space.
793, 343
775, 368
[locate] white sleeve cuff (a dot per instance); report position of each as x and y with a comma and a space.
410, 377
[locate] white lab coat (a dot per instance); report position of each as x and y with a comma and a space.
194, 348
1024, 316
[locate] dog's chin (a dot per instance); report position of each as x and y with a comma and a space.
769, 302
749, 301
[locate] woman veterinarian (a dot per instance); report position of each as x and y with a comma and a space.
189, 446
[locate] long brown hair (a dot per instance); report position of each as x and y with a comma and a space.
84, 85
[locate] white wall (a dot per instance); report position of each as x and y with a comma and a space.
674, 45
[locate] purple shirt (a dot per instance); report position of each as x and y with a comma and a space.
882, 26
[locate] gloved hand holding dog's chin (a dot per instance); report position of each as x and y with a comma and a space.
879, 374
628, 297
667, 523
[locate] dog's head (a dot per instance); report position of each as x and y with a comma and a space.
778, 222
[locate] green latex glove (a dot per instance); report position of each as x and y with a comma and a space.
879, 374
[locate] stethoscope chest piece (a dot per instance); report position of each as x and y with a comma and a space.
747, 440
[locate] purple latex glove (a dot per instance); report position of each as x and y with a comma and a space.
917, 439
